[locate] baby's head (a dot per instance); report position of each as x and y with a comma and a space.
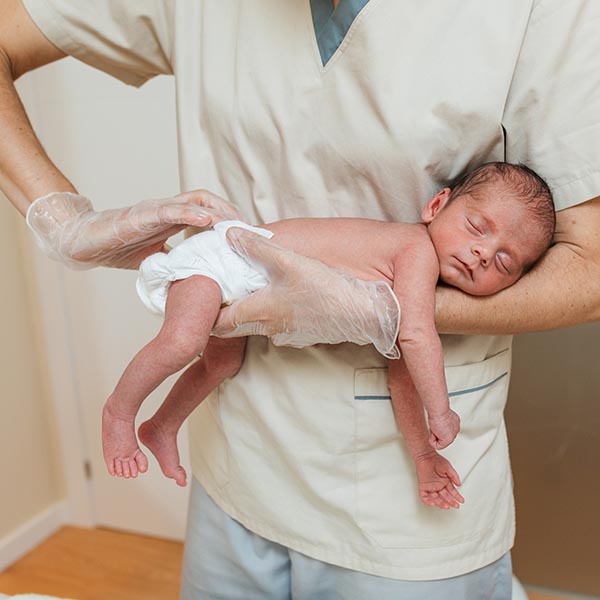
490, 227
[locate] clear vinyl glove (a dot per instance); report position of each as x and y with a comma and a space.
307, 302
68, 230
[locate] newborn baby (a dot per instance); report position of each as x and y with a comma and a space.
480, 236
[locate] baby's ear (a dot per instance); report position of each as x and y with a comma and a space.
433, 207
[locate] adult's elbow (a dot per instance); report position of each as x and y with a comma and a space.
23, 47
593, 308
6, 66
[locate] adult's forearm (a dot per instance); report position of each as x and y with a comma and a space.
26, 171
563, 289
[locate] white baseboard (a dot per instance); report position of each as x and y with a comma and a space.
26, 537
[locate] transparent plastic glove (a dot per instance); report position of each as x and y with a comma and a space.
67, 228
307, 302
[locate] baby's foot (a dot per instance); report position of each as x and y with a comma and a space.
122, 454
163, 444
437, 479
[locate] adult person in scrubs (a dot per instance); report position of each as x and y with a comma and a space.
301, 487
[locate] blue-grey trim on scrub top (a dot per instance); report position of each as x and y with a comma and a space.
450, 394
331, 26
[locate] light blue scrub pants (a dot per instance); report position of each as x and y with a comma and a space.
225, 561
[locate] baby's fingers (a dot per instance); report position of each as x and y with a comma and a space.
435, 442
453, 475
448, 498
430, 498
434, 499
455, 494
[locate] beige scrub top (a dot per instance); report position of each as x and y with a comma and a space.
369, 119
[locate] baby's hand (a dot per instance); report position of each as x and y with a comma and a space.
437, 481
443, 429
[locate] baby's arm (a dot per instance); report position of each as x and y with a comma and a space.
416, 272
436, 476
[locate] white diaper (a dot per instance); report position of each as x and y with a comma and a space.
206, 253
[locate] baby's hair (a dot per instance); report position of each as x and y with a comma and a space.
522, 182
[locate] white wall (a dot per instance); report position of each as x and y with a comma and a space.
30, 477
117, 145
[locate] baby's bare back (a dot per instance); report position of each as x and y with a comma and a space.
366, 248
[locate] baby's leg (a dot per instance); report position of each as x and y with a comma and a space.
436, 477
191, 310
222, 359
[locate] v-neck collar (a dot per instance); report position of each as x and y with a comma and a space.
331, 25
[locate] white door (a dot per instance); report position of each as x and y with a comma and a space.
117, 145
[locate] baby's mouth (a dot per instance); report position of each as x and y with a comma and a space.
465, 268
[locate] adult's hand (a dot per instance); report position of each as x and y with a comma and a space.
307, 302
68, 229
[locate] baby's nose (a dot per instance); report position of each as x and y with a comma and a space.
483, 254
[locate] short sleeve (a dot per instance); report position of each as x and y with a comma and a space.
552, 113
128, 39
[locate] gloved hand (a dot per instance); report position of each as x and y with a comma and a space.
307, 302
67, 228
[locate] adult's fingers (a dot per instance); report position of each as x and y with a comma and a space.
184, 214
212, 201
256, 314
276, 261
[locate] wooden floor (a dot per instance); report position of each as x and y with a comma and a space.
535, 595
100, 564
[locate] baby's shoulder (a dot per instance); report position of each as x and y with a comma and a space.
408, 235
413, 248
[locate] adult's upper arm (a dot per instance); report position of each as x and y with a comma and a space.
552, 111
128, 39
579, 227
578, 239
22, 44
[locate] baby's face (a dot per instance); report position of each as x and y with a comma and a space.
484, 244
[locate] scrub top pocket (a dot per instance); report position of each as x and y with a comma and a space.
386, 498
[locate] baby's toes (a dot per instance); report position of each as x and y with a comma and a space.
133, 470
180, 477
126, 471
141, 462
